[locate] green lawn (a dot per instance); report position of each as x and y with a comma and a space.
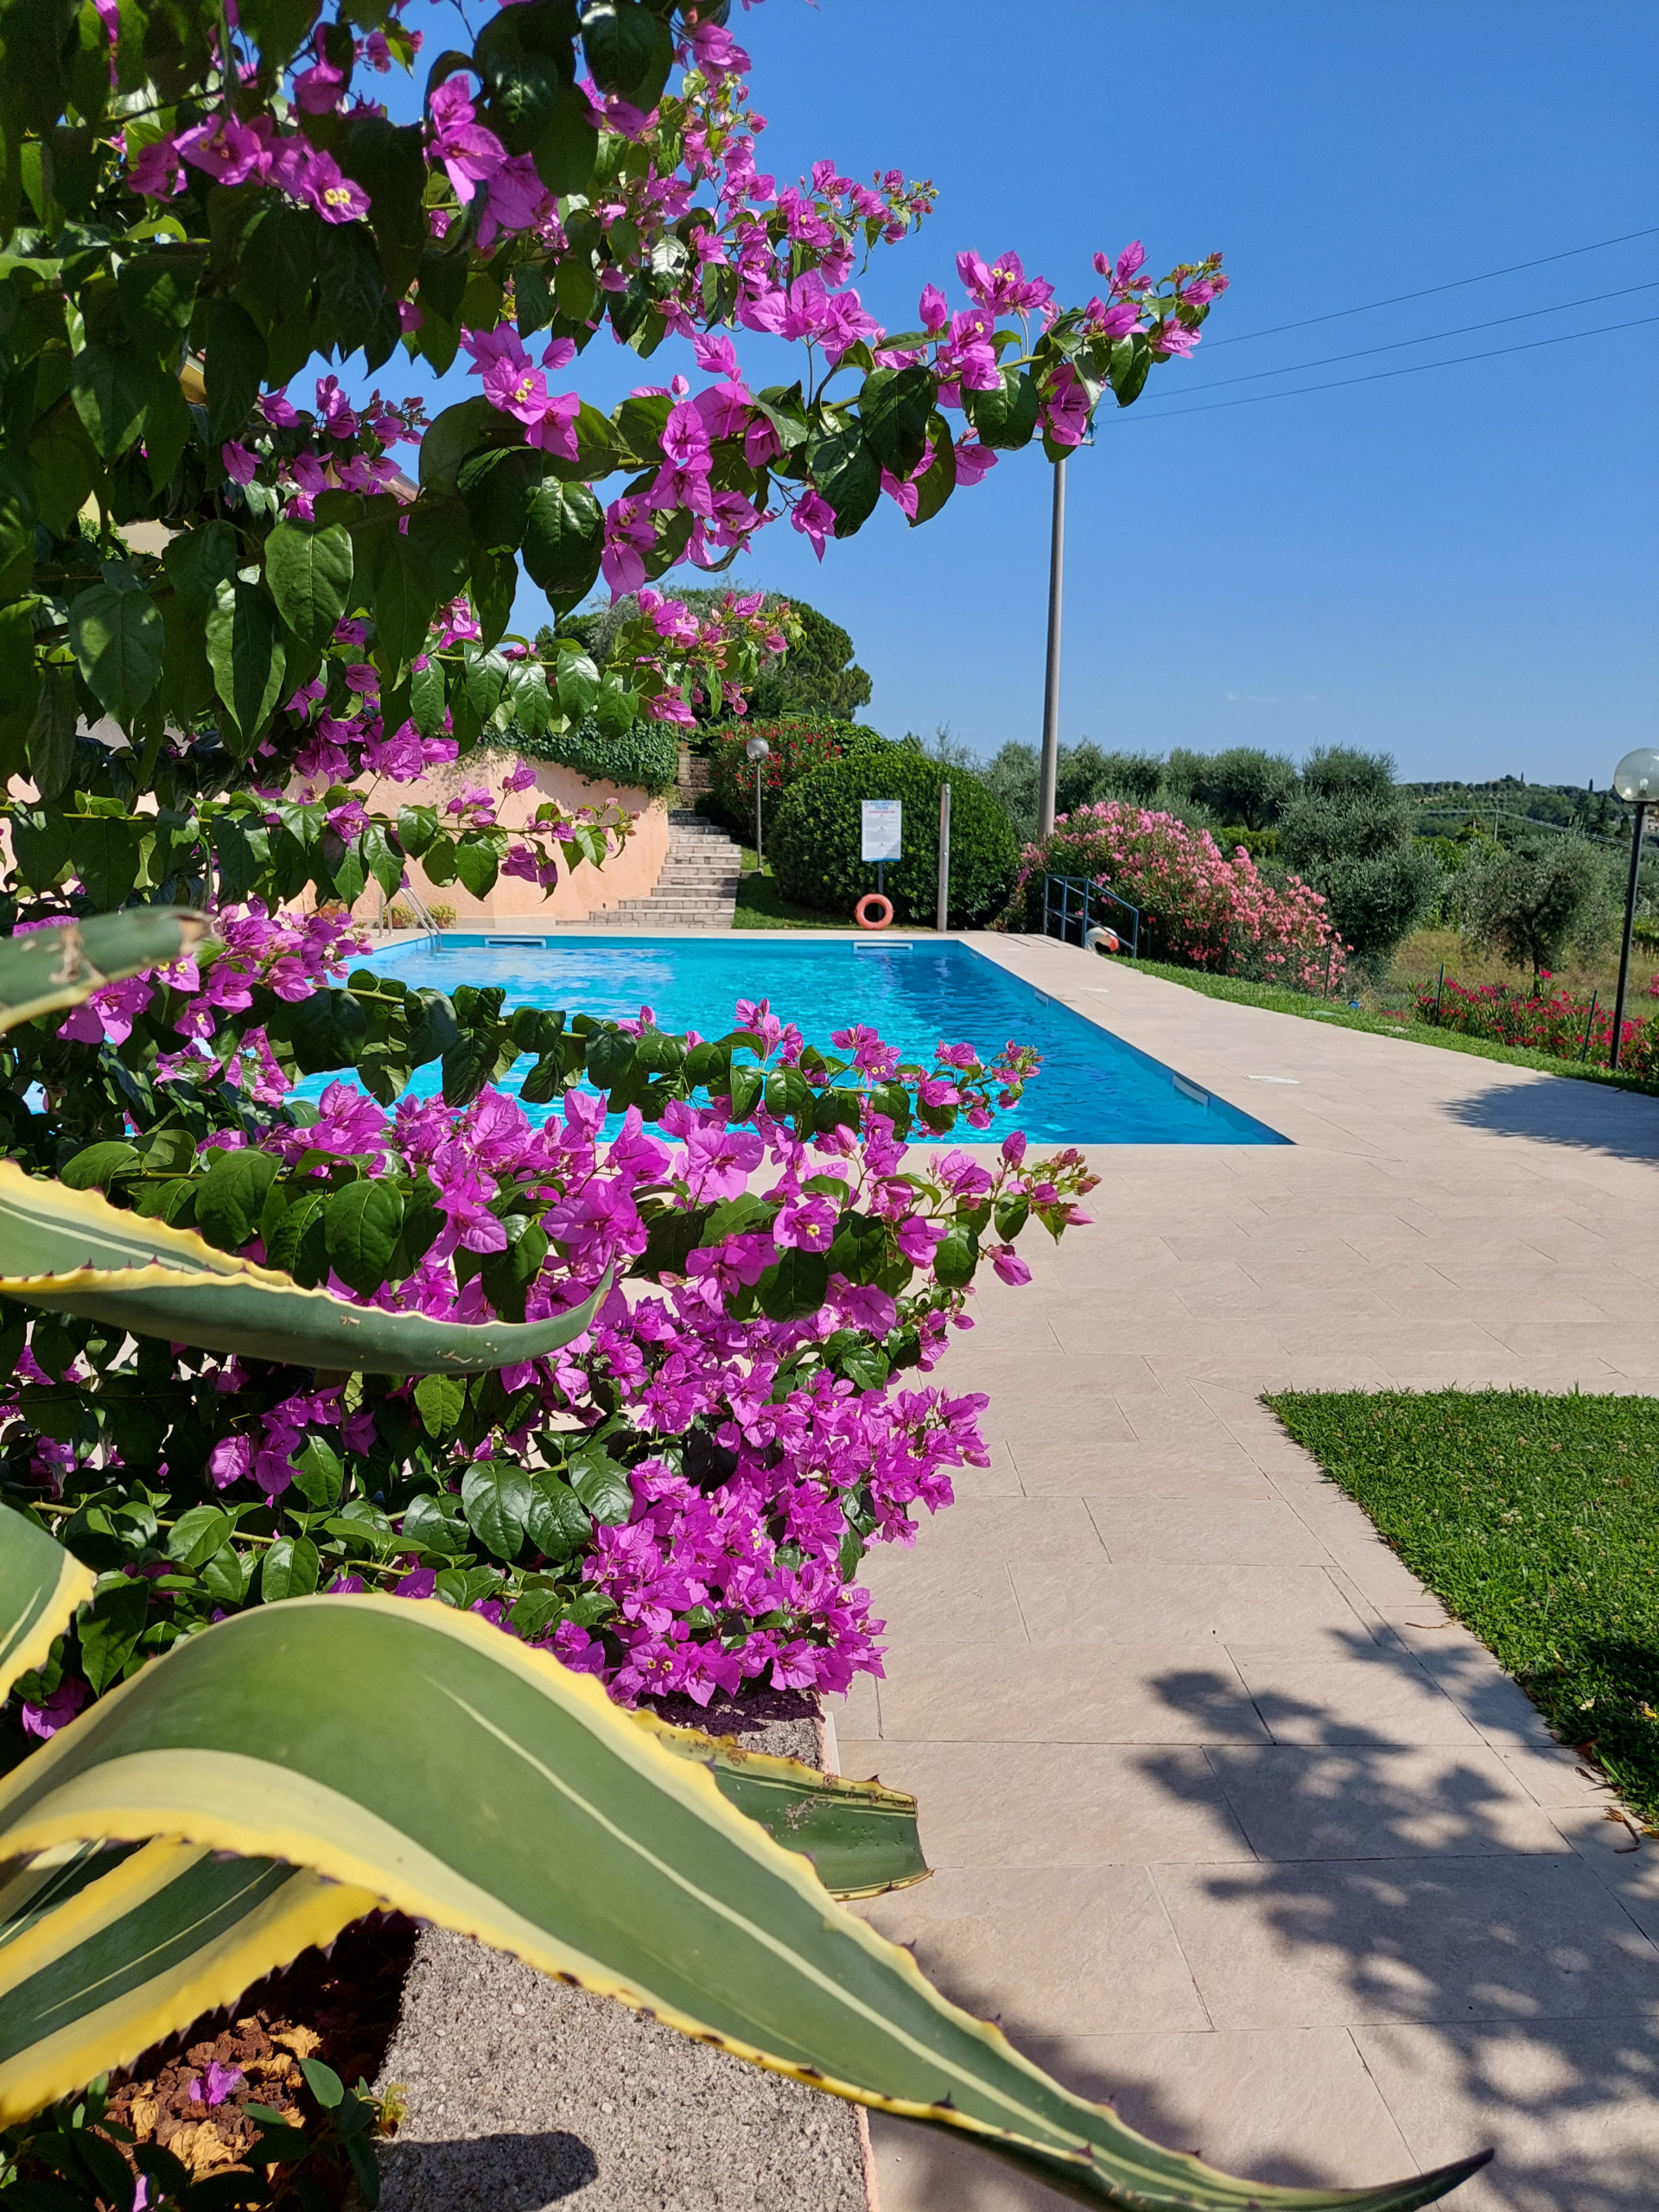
761, 905
1338, 1015
1534, 1519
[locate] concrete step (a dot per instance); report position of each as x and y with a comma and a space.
678, 905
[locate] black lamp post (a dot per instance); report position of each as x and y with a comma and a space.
1636, 780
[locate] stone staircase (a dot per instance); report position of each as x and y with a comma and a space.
697, 888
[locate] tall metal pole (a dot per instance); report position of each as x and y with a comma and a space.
1051, 682
759, 857
1629, 924
945, 858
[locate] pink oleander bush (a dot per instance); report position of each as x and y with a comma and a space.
1196, 901
1553, 1018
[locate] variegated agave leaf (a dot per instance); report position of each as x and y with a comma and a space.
860, 1836
40, 1586
103, 1949
514, 1803
43, 971
72, 1252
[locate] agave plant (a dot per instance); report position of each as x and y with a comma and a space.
147, 1874
153, 1873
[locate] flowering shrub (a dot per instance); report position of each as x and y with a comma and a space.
1196, 903
321, 630
798, 743
679, 1501
1552, 1018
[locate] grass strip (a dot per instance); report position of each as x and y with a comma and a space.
762, 906
1275, 999
1535, 1519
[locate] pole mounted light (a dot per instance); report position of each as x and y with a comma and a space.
1049, 771
757, 749
1636, 780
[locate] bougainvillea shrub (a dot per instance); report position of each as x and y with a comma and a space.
1196, 901
282, 607
679, 1501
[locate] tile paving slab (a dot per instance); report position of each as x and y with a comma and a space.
1233, 1825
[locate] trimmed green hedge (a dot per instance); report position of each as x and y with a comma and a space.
816, 835
647, 756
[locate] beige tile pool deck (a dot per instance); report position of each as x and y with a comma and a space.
1231, 1825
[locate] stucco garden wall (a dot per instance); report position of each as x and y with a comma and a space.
630, 873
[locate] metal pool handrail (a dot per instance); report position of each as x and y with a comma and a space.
420, 910
1067, 899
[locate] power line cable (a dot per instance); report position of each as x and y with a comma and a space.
1486, 276
1417, 369
1325, 360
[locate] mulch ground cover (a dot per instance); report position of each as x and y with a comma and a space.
1535, 1519
190, 2093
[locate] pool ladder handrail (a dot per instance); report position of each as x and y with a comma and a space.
1084, 889
421, 912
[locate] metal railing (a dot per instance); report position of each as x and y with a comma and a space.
1068, 911
422, 914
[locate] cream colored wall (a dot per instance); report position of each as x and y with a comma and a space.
629, 873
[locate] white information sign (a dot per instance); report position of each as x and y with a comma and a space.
883, 826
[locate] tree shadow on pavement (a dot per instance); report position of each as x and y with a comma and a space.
1415, 1965
1590, 1116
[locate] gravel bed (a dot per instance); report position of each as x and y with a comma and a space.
522, 2092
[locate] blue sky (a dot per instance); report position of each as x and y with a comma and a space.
1458, 566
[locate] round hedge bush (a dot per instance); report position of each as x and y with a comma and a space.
816, 835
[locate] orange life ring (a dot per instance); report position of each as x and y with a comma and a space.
861, 913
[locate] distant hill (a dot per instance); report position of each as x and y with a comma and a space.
1507, 803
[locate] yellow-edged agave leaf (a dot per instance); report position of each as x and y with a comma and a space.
72, 1252
45, 970
860, 1836
104, 1952
40, 1587
512, 1801
119, 1942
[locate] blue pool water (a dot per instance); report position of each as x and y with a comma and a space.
1092, 1089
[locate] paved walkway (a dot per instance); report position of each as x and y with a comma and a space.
1230, 1825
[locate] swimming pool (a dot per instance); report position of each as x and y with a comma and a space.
1092, 1089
